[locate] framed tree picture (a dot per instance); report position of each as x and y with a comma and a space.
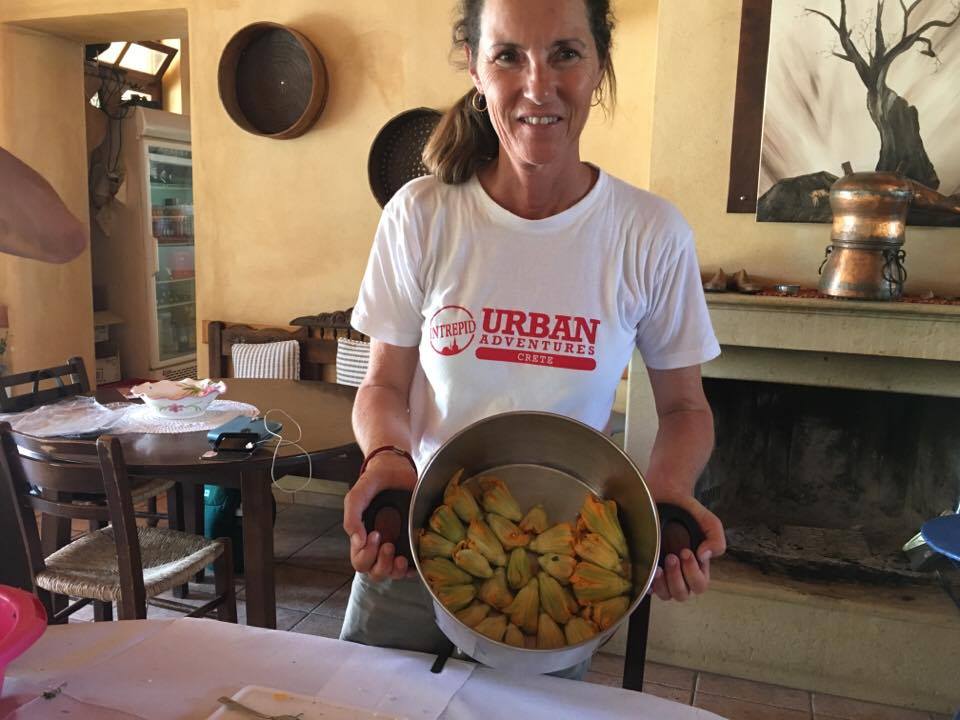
748, 106
872, 82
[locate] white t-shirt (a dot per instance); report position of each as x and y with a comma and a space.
517, 314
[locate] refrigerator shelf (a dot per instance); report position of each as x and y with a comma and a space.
154, 185
176, 240
176, 280
176, 304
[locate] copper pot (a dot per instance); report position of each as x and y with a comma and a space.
865, 257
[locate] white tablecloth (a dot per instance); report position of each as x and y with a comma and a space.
176, 669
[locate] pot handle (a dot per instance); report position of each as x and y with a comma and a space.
399, 501
670, 514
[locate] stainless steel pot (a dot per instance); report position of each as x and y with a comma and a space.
555, 461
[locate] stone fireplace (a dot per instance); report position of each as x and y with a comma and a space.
838, 433
828, 483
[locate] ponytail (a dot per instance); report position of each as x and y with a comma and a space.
462, 143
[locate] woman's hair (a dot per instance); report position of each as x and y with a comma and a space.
465, 140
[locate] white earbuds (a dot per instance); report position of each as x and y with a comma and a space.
280, 442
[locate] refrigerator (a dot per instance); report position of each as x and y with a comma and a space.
146, 260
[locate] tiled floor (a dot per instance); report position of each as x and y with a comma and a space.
313, 583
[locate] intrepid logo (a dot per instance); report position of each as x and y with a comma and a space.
452, 329
562, 341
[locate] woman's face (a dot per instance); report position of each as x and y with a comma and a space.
537, 66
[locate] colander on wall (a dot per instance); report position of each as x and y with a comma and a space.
395, 155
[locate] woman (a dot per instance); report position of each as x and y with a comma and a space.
520, 277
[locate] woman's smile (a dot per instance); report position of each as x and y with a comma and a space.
539, 120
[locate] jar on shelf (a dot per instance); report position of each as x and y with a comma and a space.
187, 210
171, 208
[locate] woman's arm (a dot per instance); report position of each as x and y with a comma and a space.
381, 417
680, 452
34, 222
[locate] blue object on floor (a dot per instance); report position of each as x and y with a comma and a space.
220, 519
943, 535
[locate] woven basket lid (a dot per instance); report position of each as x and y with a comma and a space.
396, 153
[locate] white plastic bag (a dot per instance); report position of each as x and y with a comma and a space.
80, 416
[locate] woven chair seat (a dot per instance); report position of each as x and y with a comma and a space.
87, 567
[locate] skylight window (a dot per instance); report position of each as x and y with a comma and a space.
145, 57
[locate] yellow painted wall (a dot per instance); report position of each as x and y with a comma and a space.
284, 227
693, 121
621, 142
176, 80
41, 122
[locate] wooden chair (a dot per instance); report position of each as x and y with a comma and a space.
123, 562
330, 326
317, 335
72, 380
635, 659
76, 383
222, 336
351, 353
678, 530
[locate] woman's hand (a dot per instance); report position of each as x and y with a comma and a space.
381, 417
680, 452
375, 553
686, 572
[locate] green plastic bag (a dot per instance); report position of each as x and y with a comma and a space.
220, 519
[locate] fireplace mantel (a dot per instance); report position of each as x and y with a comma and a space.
887, 346
896, 347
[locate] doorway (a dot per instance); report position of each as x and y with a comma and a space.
141, 210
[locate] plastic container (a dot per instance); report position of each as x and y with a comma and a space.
22, 621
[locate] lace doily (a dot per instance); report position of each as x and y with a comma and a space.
140, 419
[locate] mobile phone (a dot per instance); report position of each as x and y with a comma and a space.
236, 442
255, 426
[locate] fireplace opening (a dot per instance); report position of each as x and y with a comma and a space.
828, 484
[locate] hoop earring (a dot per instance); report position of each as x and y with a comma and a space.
475, 105
597, 96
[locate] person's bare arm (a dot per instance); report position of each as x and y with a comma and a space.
34, 222
381, 417
681, 450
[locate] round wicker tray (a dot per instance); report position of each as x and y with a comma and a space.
272, 81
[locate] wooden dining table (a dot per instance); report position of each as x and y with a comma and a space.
322, 411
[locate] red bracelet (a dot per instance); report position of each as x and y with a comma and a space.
388, 448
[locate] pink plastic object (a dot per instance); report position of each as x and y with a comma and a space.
22, 621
